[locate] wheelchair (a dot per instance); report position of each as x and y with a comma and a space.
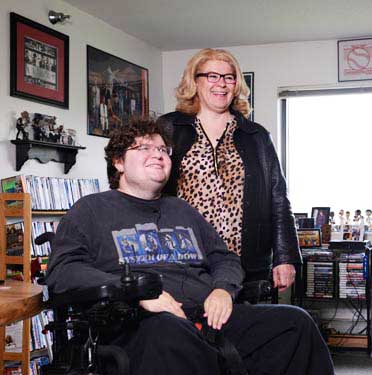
85, 320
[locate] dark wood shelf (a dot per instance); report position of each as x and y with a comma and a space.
45, 152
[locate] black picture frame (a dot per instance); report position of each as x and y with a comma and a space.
309, 238
116, 90
299, 215
320, 215
39, 62
249, 80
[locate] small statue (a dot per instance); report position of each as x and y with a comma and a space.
60, 132
341, 218
53, 135
37, 128
22, 124
347, 218
358, 218
369, 219
332, 218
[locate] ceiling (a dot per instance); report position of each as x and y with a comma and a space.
188, 24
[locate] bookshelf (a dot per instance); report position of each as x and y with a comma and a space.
337, 281
16, 205
25, 198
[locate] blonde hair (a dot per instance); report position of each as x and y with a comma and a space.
187, 98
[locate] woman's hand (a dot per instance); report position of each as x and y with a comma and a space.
165, 302
218, 308
283, 276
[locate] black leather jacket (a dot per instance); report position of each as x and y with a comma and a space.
269, 236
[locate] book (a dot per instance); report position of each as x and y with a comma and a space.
49, 193
14, 239
15, 184
13, 337
14, 272
14, 370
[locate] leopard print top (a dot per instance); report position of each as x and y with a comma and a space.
212, 181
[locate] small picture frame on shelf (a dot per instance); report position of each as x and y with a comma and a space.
320, 215
39, 68
326, 233
299, 215
309, 238
249, 80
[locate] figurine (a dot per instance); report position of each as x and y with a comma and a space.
36, 126
22, 124
332, 218
341, 218
53, 134
358, 218
369, 219
347, 218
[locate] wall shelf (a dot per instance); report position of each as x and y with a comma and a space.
45, 152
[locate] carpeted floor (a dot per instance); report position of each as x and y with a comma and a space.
352, 363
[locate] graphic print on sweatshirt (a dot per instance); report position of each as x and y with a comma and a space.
146, 244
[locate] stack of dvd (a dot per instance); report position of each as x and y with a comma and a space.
320, 280
352, 281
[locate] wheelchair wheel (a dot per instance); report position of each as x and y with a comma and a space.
113, 360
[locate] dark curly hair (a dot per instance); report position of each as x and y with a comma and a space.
124, 138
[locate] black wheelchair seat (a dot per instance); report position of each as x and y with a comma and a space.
86, 320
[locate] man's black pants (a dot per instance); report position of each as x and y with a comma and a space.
271, 339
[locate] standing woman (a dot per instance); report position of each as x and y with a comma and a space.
226, 167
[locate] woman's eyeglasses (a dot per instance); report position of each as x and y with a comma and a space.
214, 77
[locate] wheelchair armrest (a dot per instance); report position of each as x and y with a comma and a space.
253, 291
145, 285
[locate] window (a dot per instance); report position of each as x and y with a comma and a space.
329, 151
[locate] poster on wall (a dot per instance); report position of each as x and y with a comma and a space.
354, 60
249, 80
117, 90
39, 56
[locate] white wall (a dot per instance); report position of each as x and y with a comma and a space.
274, 66
82, 29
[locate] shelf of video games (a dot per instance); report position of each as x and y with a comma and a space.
334, 284
49, 198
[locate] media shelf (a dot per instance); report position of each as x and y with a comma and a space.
338, 277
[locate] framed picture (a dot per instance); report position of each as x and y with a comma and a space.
354, 59
249, 80
302, 215
117, 90
320, 215
39, 58
309, 238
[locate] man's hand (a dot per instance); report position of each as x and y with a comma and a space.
165, 302
283, 276
218, 308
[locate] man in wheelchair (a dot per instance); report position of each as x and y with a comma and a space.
133, 224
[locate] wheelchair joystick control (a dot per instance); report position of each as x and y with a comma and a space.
127, 276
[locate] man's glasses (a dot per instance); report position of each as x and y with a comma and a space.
145, 148
214, 77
